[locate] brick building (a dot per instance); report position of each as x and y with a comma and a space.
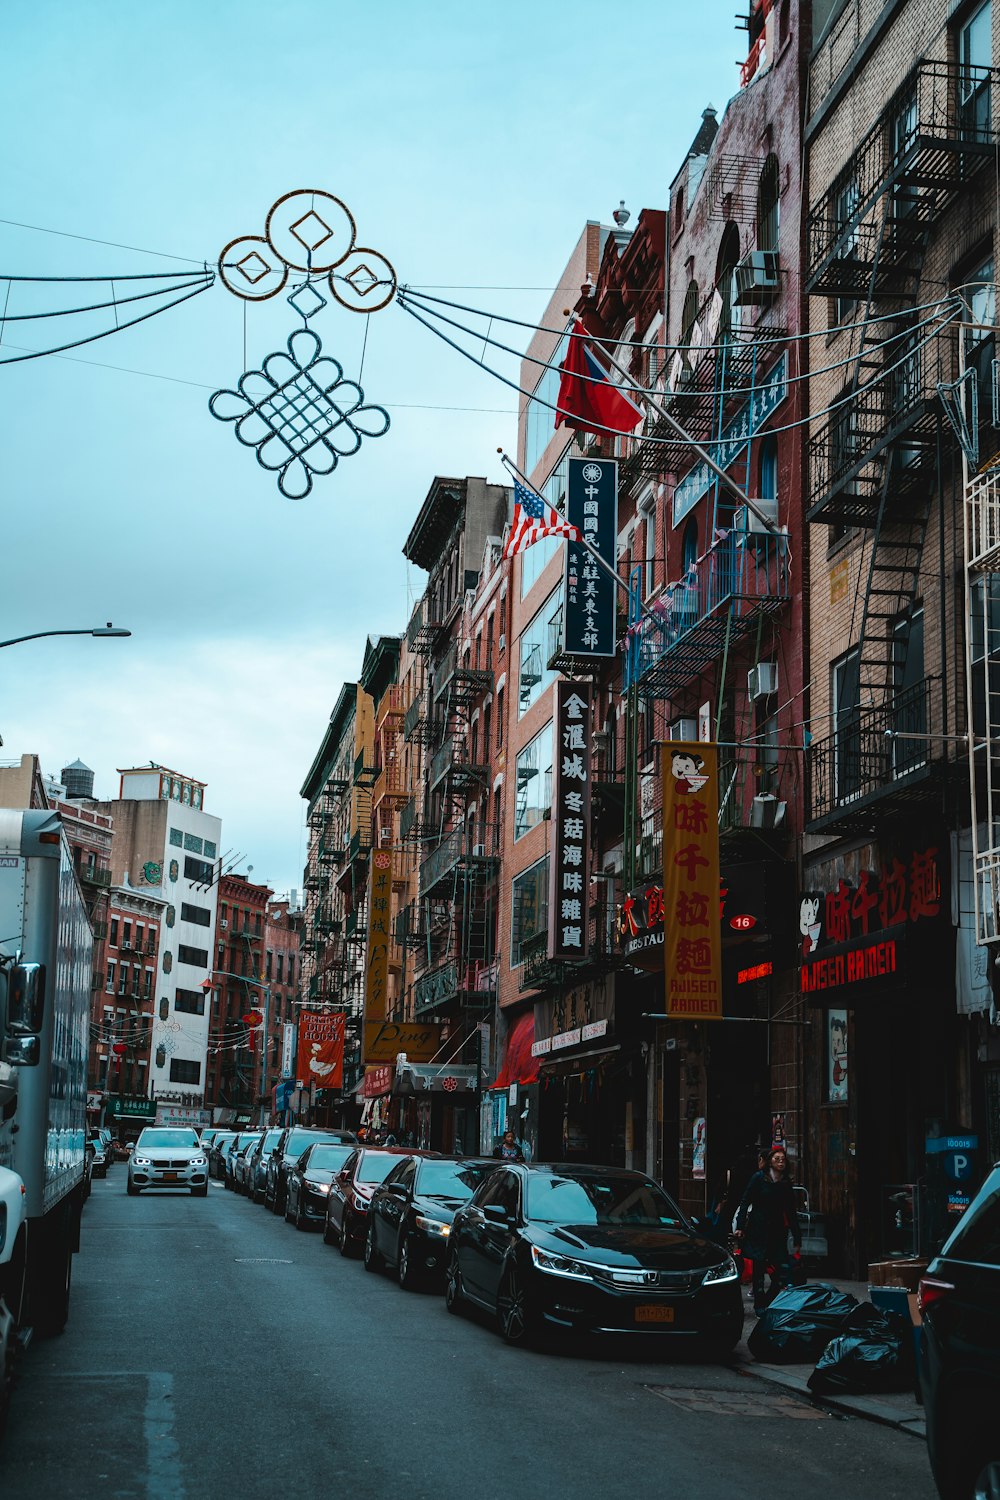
237, 987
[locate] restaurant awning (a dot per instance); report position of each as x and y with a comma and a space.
518, 1064
435, 1078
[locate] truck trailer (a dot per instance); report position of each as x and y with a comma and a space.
46, 964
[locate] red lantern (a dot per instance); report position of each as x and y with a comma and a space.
252, 1018
119, 1049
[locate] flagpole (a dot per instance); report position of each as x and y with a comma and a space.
602, 562
676, 427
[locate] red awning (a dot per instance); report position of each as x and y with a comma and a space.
518, 1064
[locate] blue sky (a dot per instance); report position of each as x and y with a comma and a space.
471, 146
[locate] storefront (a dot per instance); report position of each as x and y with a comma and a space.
876, 963
442, 1100
128, 1114
513, 1096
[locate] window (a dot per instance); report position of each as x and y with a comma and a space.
198, 870
769, 468
679, 209
126, 934
188, 955
909, 706
846, 685
500, 693
122, 979
534, 782
538, 557
280, 975
648, 511
192, 843
529, 907
184, 1070
177, 838
725, 280
975, 55
109, 984
147, 983
689, 547
200, 915
268, 959
191, 1002
291, 968
689, 313
209, 850
767, 205
844, 232
114, 932
540, 418
536, 647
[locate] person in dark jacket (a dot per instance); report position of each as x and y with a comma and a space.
765, 1219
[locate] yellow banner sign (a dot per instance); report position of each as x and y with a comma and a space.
692, 948
377, 952
385, 1039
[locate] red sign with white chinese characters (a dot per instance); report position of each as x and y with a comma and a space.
692, 957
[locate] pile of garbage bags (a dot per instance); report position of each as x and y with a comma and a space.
855, 1348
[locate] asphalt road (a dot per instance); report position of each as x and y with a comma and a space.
213, 1351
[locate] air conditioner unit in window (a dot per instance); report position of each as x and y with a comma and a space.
125, 943
757, 278
767, 811
479, 851
762, 680
746, 521
684, 729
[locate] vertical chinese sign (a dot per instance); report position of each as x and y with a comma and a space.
692, 960
569, 871
321, 1049
592, 505
377, 950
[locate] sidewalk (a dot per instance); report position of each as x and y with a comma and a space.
896, 1409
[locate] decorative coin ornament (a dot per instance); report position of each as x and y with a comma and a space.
297, 411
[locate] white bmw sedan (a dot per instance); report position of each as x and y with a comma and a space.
168, 1158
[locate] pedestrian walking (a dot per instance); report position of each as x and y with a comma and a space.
765, 1219
509, 1148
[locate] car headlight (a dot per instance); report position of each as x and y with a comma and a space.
560, 1265
726, 1272
198, 1161
142, 1161
433, 1226
361, 1204
318, 1187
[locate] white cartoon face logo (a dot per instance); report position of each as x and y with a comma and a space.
688, 770
810, 923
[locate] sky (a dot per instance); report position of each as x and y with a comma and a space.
470, 144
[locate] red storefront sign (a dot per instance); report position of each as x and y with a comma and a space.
692, 948
377, 1080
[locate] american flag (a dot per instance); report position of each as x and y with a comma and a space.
533, 520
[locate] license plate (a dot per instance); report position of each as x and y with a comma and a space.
654, 1312
169, 1176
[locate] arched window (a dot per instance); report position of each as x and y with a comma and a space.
690, 312
725, 279
768, 190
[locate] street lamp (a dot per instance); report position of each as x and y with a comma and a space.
208, 984
102, 630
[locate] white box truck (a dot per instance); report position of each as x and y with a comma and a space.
46, 963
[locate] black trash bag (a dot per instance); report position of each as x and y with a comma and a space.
799, 1323
870, 1359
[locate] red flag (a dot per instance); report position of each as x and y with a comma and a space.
587, 398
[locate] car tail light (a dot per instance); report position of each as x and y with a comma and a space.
932, 1291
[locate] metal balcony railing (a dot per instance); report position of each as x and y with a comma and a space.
932, 137
390, 705
743, 576
94, 875
413, 716
390, 782
471, 846
875, 759
451, 762
755, 791
470, 984
465, 682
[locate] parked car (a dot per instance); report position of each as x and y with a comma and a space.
168, 1158
309, 1182
589, 1249
959, 1301
409, 1220
88, 1168
241, 1160
100, 1150
230, 1153
216, 1163
208, 1136
346, 1222
293, 1141
258, 1159
109, 1144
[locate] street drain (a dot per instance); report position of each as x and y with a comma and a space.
737, 1404
261, 1260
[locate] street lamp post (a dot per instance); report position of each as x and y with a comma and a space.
98, 630
257, 984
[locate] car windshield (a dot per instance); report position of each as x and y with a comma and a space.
555, 1199
150, 1139
452, 1179
271, 1139
297, 1142
246, 1141
328, 1158
374, 1167
222, 1141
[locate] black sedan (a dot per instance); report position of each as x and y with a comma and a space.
216, 1154
409, 1220
309, 1182
960, 1352
591, 1250
351, 1190
290, 1145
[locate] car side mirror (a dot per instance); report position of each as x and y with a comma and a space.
25, 1000
494, 1214
23, 1051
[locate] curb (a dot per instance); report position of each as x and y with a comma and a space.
852, 1406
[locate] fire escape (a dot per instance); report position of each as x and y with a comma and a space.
874, 464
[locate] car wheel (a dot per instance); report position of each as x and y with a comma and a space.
131, 1189
373, 1261
453, 1295
514, 1315
408, 1276
345, 1239
200, 1192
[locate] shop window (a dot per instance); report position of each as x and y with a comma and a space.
529, 907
